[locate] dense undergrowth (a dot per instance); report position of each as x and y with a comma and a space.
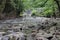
15, 8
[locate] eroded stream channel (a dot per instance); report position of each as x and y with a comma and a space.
39, 28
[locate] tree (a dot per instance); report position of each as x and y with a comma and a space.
18, 6
2, 5
58, 4
8, 6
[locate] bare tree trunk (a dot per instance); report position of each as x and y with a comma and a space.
2, 5
58, 4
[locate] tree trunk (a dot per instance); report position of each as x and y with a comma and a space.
57, 1
2, 5
58, 4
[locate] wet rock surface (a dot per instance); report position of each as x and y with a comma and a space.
39, 28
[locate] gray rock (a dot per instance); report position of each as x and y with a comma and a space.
41, 38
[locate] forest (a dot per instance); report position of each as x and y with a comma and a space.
15, 8
29, 19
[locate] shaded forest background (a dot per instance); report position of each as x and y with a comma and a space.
15, 8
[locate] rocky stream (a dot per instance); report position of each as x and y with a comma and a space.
30, 28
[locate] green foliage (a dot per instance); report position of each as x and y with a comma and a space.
36, 13
48, 13
49, 6
10, 8
17, 4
